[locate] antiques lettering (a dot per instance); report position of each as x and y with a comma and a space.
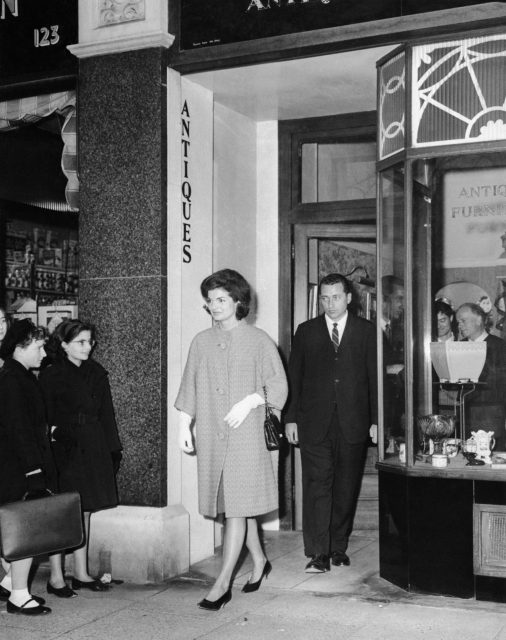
481, 209
186, 188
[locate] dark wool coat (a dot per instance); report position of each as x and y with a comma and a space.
222, 368
79, 404
24, 442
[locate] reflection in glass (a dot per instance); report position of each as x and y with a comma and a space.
392, 307
338, 171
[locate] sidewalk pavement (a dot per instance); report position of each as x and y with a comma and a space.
351, 603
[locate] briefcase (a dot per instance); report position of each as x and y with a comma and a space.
33, 527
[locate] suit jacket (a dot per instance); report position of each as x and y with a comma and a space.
493, 375
322, 381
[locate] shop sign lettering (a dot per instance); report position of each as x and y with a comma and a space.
205, 23
186, 188
34, 35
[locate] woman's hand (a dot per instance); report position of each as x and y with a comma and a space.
239, 412
185, 438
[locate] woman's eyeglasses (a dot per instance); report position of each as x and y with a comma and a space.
81, 343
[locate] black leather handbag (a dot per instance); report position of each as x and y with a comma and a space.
48, 524
273, 431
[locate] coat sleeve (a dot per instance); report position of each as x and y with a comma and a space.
295, 375
18, 423
187, 396
273, 376
107, 417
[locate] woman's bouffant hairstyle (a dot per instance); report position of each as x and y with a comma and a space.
21, 333
66, 331
235, 284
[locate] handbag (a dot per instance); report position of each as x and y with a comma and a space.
32, 527
273, 431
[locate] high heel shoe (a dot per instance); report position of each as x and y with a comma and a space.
61, 592
92, 585
216, 605
249, 587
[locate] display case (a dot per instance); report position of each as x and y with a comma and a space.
40, 269
442, 244
441, 323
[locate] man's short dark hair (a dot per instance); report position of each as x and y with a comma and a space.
335, 278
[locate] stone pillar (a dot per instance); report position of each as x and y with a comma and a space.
122, 138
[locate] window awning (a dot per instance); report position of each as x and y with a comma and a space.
22, 112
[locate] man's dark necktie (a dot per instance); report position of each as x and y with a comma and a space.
335, 336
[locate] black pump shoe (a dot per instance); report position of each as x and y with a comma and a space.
216, 605
61, 592
30, 611
92, 585
249, 587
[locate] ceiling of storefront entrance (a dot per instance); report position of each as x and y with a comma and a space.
305, 88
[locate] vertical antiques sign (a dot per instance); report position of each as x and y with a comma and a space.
474, 224
34, 35
205, 23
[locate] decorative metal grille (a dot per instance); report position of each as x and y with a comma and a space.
392, 106
459, 91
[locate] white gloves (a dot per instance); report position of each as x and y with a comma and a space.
185, 439
373, 433
239, 412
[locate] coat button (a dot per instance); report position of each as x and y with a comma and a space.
336, 380
221, 436
220, 391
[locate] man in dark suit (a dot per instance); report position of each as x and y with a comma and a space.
333, 403
486, 405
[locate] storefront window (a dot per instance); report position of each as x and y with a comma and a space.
338, 171
392, 318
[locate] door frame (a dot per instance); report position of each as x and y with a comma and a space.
352, 127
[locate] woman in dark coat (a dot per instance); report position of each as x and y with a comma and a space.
84, 436
26, 464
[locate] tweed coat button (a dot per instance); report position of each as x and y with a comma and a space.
220, 391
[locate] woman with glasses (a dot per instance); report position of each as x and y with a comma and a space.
84, 437
231, 368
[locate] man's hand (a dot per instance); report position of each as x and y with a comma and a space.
239, 412
185, 439
373, 433
292, 432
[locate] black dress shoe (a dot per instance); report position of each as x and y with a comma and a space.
30, 611
5, 595
318, 564
61, 592
249, 587
92, 585
340, 559
216, 605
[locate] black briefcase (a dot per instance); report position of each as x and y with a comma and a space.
33, 527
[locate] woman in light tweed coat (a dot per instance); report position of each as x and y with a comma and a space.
222, 390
